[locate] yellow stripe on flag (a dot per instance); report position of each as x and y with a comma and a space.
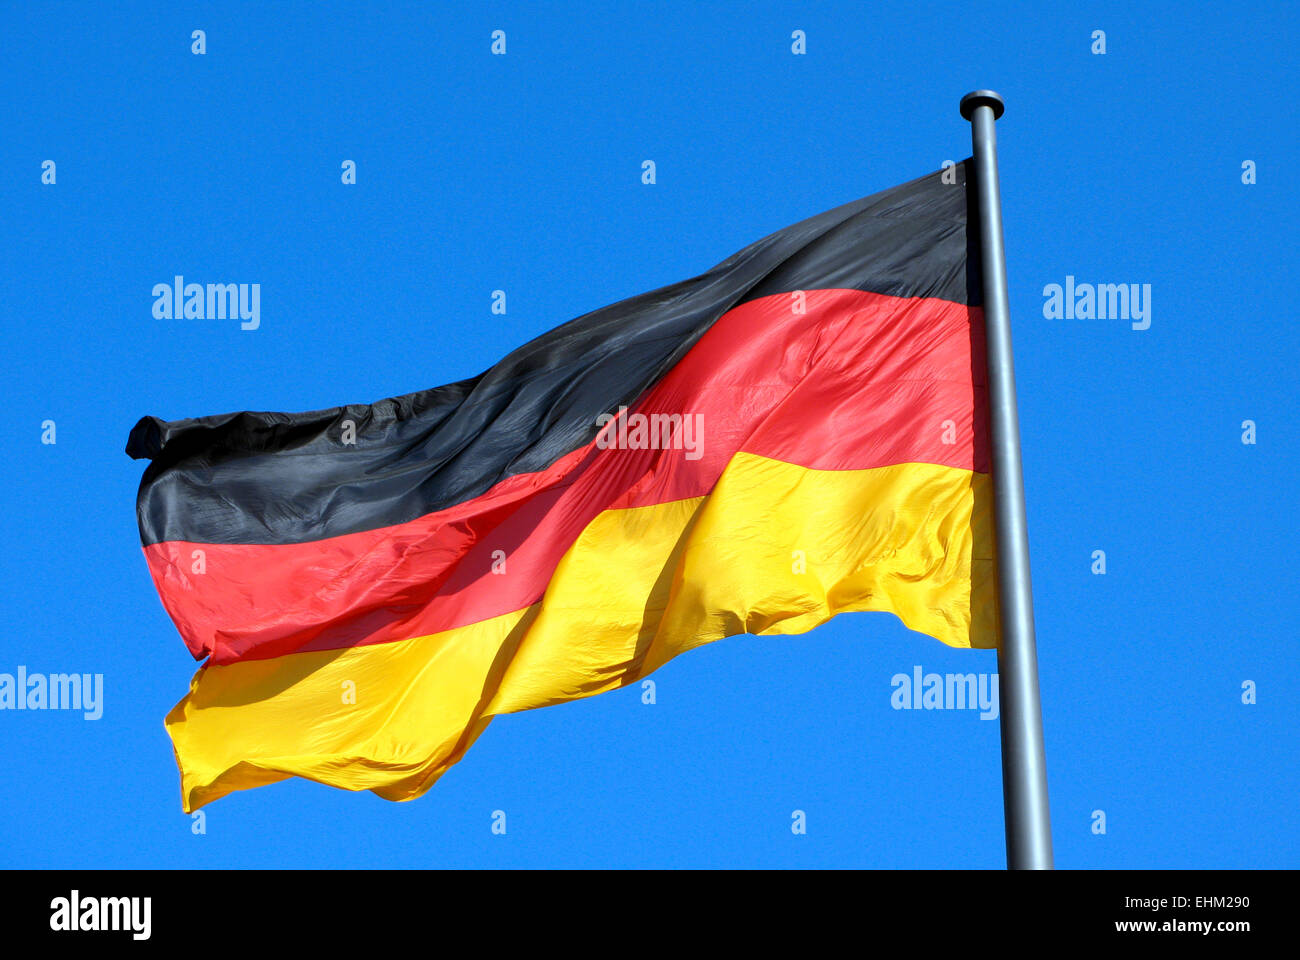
774, 549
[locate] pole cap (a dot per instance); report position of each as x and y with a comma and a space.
981, 98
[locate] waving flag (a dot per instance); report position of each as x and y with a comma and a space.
798, 432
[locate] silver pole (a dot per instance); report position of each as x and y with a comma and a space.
1024, 769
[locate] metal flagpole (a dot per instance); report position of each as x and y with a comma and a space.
1024, 769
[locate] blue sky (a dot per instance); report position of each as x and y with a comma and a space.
522, 172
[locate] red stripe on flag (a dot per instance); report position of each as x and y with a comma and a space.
854, 381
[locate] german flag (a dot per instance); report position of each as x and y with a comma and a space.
799, 432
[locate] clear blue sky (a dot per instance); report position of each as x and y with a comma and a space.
522, 172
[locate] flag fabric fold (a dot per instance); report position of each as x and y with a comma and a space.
799, 432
